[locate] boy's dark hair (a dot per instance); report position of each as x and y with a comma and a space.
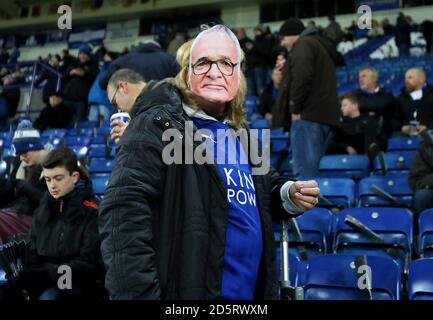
352, 97
61, 157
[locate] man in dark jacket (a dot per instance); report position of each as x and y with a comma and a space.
64, 234
374, 100
147, 59
173, 230
308, 95
402, 35
421, 174
55, 115
258, 60
78, 81
21, 192
414, 112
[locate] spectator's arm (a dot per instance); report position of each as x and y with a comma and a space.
125, 221
421, 172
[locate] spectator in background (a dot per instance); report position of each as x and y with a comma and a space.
333, 30
246, 44
374, 100
426, 27
51, 79
148, 59
376, 30
100, 108
402, 35
66, 61
21, 193
358, 134
258, 60
387, 27
4, 56
413, 111
55, 115
307, 95
14, 56
9, 97
79, 79
101, 51
270, 95
421, 174
64, 232
175, 43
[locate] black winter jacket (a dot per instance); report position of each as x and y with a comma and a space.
421, 171
405, 107
163, 227
76, 88
65, 231
309, 85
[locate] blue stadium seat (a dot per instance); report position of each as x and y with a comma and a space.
87, 124
5, 142
260, 124
280, 140
339, 191
396, 161
99, 151
316, 226
393, 225
3, 167
420, 279
54, 133
99, 140
7, 152
77, 141
425, 248
396, 186
99, 185
334, 277
344, 166
100, 167
403, 143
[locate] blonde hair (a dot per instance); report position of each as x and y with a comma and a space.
235, 110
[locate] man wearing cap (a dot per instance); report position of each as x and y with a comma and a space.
308, 95
79, 80
20, 194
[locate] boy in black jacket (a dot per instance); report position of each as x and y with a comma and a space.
64, 235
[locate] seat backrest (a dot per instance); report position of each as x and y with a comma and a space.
99, 185
420, 279
425, 224
396, 160
395, 185
403, 143
334, 188
98, 165
334, 276
382, 220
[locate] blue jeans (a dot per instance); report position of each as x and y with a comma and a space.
422, 199
257, 78
100, 112
309, 141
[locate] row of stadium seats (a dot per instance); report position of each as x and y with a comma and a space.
384, 235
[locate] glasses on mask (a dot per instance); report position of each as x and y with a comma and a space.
203, 66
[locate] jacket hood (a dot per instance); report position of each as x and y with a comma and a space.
327, 43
